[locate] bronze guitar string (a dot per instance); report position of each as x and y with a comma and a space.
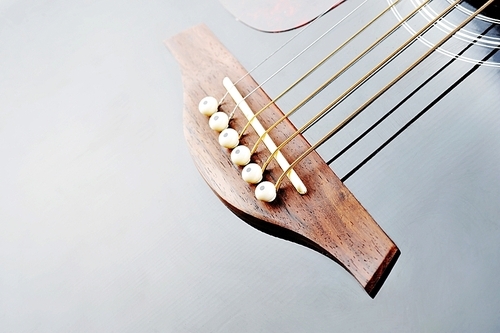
467, 34
397, 106
330, 80
421, 113
381, 91
314, 68
274, 52
311, 23
295, 57
361, 80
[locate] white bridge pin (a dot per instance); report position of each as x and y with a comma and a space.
219, 121
266, 139
252, 173
240, 155
208, 106
229, 138
265, 191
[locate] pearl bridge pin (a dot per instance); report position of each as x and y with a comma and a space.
240, 155
219, 121
208, 106
265, 191
266, 139
229, 138
252, 173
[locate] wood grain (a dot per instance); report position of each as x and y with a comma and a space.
328, 219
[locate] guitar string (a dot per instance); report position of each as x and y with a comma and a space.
381, 91
299, 32
407, 97
421, 113
457, 8
357, 84
321, 117
310, 71
466, 35
295, 57
328, 82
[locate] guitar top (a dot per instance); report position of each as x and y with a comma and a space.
327, 218
108, 226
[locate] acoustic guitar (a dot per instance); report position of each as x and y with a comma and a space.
399, 94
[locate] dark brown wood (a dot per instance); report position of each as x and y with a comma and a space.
327, 219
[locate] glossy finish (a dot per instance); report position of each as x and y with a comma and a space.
107, 226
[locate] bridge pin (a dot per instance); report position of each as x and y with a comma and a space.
229, 138
252, 173
219, 121
240, 155
265, 191
208, 106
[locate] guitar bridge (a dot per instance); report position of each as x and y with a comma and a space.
328, 219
